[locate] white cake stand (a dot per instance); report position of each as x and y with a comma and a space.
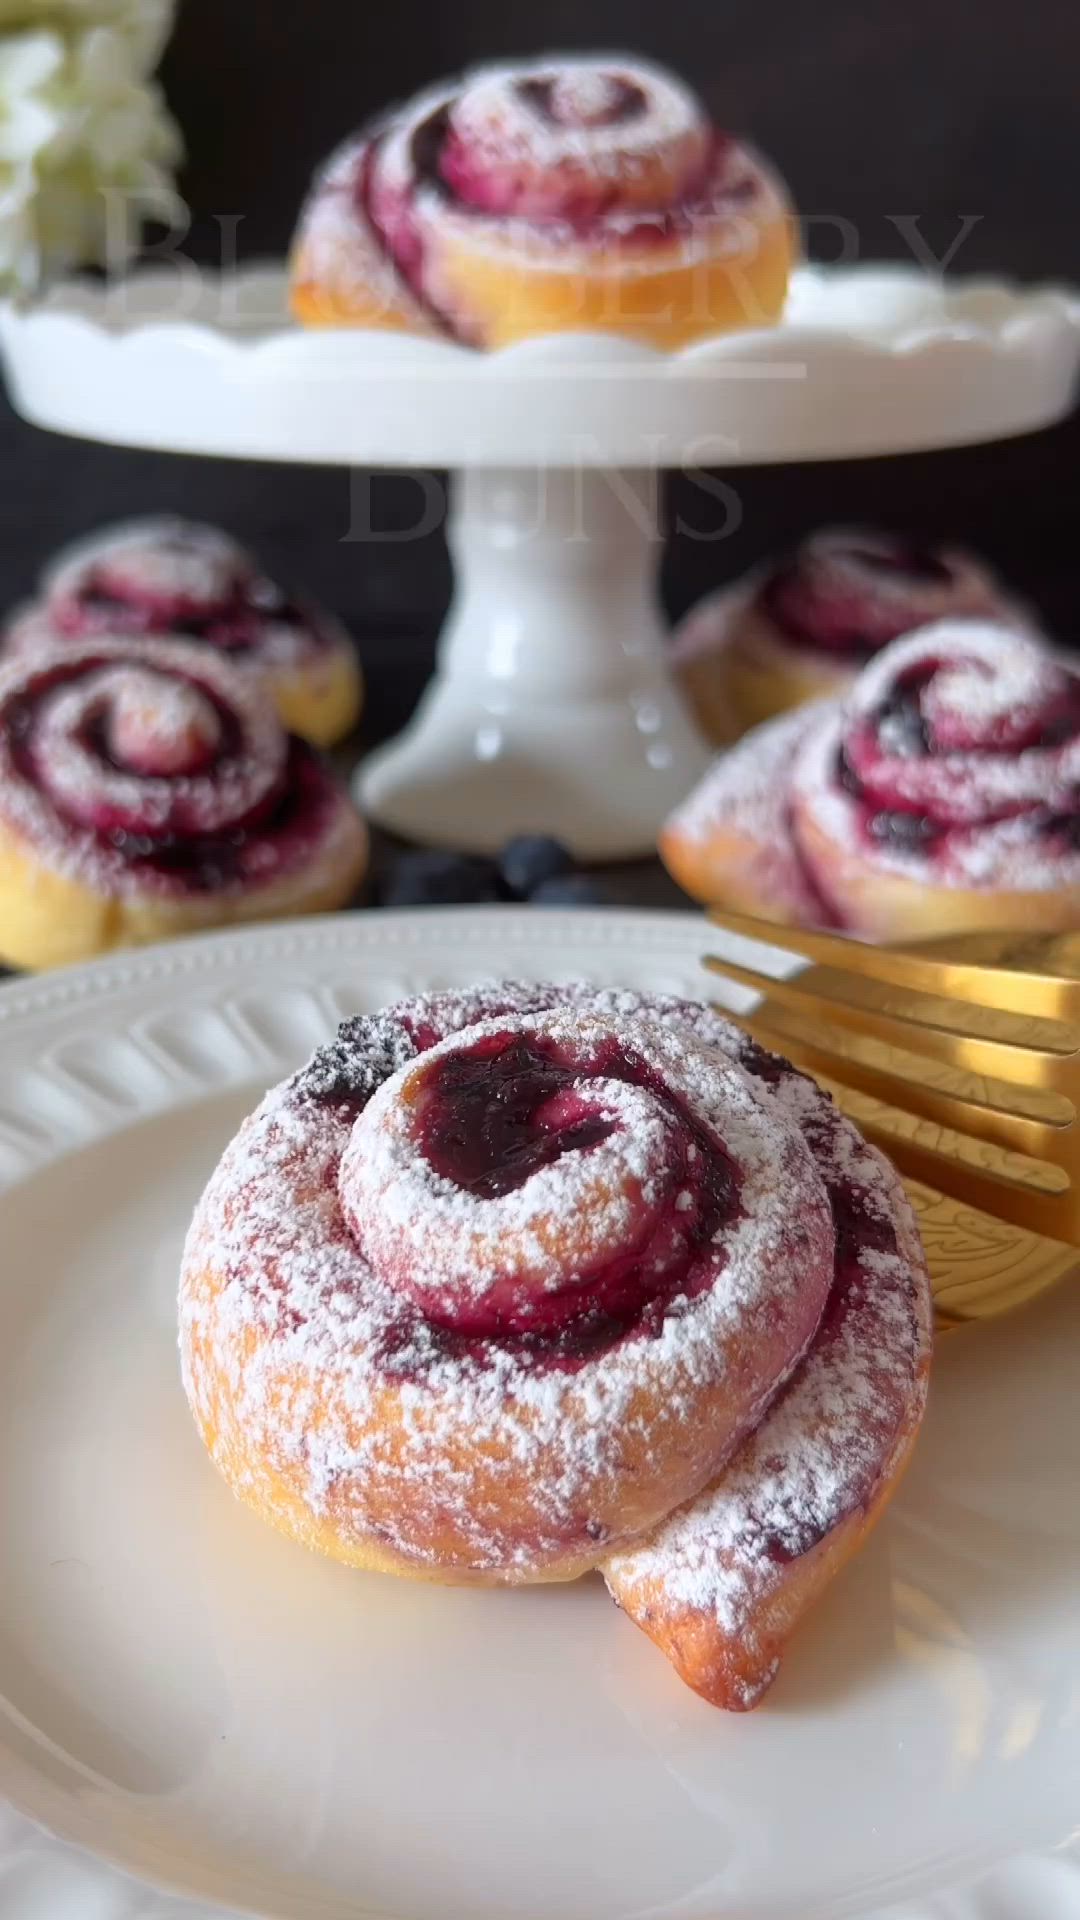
551, 707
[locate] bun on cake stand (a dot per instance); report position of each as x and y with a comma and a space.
552, 706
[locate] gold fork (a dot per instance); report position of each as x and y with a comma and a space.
961, 1059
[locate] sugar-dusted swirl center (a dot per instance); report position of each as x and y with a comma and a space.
963, 726
853, 591
573, 142
150, 744
170, 578
151, 765
612, 155
526, 1178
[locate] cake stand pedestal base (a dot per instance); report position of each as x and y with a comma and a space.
552, 708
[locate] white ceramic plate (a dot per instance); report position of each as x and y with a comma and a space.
866, 360
201, 1703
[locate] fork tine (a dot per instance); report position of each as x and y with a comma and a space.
1046, 1066
1051, 1214
1003, 989
1002, 1125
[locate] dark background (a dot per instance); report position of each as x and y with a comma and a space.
871, 108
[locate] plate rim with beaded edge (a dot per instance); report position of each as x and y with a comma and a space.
172, 1746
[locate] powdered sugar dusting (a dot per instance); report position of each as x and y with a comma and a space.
491, 107
856, 590
968, 780
737, 823
575, 1212
568, 1216
1002, 813
338, 256
712, 623
160, 554
843, 593
68, 713
744, 787
997, 665
487, 1455
543, 142
167, 577
831, 1441
100, 686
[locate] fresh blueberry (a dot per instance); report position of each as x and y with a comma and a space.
434, 879
566, 890
530, 859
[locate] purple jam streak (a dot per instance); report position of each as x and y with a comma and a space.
899, 730
483, 1127
480, 1125
902, 715
230, 626
290, 819
841, 614
445, 167
495, 1113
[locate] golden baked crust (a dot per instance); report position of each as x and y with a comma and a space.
147, 789
576, 194
416, 1372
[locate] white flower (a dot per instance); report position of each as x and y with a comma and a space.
146, 24
87, 146
30, 65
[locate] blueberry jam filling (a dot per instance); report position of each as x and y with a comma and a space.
133, 612
899, 719
482, 1127
845, 616
205, 864
401, 241
232, 626
350, 1068
232, 632
287, 819
901, 732
846, 776
208, 861
428, 142
898, 730
1063, 827
444, 167
98, 600
771, 1068
795, 613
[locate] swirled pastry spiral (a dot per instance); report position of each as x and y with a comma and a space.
146, 789
940, 796
804, 628
506, 1284
561, 194
176, 579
